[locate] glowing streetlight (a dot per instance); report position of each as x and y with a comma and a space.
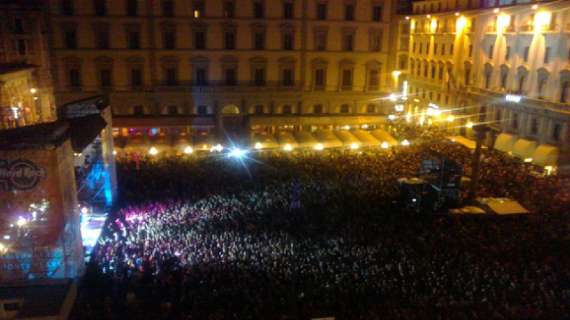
217, 148
319, 147
21, 222
405, 143
33, 90
237, 153
384, 145
469, 125
114, 152
392, 117
153, 151
354, 146
288, 147
188, 150
258, 146
527, 160
450, 118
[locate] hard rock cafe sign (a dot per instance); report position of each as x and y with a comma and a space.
19, 175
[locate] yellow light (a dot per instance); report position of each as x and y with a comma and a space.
396, 73
188, 150
392, 117
457, 14
549, 170
364, 126
408, 117
469, 125
354, 146
3, 248
450, 118
258, 145
534, 7
33, 90
541, 20
422, 120
21, 222
413, 25
204, 147
196, 13
433, 26
114, 152
384, 145
217, 148
503, 22
319, 147
496, 10
428, 16
405, 143
407, 18
527, 160
460, 24
287, 147
347, 127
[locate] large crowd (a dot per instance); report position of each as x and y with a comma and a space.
322, 234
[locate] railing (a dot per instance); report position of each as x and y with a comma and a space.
500, 94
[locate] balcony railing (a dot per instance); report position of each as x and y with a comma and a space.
542, 103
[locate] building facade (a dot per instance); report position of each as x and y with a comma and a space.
184, 64
26, 92
505, 63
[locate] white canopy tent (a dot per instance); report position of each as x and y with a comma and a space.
505, 142
347, 138
328, 139
286, 138
524, 148
366, 139
546, 155
264, 141
468, 143
305, 139
384, 136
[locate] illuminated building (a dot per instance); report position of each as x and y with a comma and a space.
503, 62
26, 93
189, 68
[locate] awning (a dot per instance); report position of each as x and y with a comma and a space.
264, 141
328, 139
384, 136
366, 139
502, 206
505, 142
524, 148
468, 143
347, 138
305, 139
546, 155
286, 138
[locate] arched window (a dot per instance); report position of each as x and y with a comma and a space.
172, 110
258, 109
564, 90
287, 109
318, 109
138, 110
345, 108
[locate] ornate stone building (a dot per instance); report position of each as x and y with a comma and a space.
505, 63
26, 93
194, 65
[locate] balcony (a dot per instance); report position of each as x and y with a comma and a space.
527, 101
222, 86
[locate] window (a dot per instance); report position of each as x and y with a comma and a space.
320, 80
470, 50
133, 40
504, 76
102, 39
230, 40
288, 9
547, 55
229, 9
433, 71
508, 53
565, 88
345, 108
171, 76
21, 47
74, 78
287, 109
347, 79
138, 110
168, 8
321, 11
451, 49
202, 110
67, 7
515, 121
105, 78
373, 80
525, 55
132, 7
321, 41
490, 54
443, 49
371, 108
541, 86
201, 77
136, 77
18, 26
259, 77
421, 48
556, 130
100, 7
259, 40
349, 12
287, 41
377, 13
487, 79
376, 41
198, 10
414, 47
534, 126
288, 77
498, 115
231, 77
348, 42
258, 9
200, 40
435, 48
259, 109
318, 109
522, 79
172, 110
169, 40
70, 39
